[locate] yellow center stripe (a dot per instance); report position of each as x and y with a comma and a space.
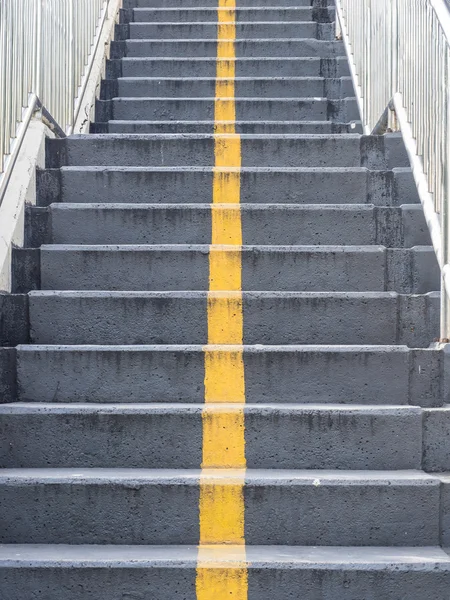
222, 568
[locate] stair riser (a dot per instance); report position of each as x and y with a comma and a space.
186, 14
146, 269
285, 151
124, 374
146, 4
249, 127
299, 439
243, 48
263, 584
262, 225
146, 511
257, 67
436, 440
246, 110
266, 88
348, 186
267, 320
179, 31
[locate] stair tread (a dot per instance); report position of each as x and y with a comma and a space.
308, 557
257, 477
18, 408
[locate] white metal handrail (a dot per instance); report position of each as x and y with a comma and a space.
399, 53
46, 48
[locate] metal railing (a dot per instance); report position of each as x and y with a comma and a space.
399, 54
46, 47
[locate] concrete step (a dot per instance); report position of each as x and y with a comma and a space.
245, 127
245, 87
38, 435
194, 184
247, 109
194, 13
436, 439
146, 4
209, 30
243, 48
280, 268
347, 573
262, 224
261, 66
160, 506
198, 150
269, 318
273, 374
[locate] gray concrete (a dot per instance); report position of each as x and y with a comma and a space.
305, 374
208, 30
262, 224
195, 13
247, 109
243, 127
269, 318
283, 268
436, 439
170, 436
245, 87
143, 506
194, 184
146, 4
198, 150
245, 67
99, 572
101, 429
249, 48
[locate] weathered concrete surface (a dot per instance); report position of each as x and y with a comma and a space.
127, 506
269, 318
100, 572
245, 87
310, 374
193, 184
262, 224
170, 436
343, 391
283, 268
245, 67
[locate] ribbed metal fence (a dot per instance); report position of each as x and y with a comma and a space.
45, 48
400, 58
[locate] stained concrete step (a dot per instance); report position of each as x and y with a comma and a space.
436, 438
261, 66
315, 151
269, 318
194, 184
194, 13
347, 573
210, 30
273, 374
245, 87
301, 436
249, 127
159, 506
264, 268
247, 109
262, 224
245, 48
145, 4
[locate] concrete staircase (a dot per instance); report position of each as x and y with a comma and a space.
105, 448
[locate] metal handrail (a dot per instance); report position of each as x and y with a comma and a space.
46, 53
399, 53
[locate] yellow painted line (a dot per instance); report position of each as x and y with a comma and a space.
222, 567
222, 573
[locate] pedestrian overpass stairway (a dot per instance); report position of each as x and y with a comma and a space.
229, 390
